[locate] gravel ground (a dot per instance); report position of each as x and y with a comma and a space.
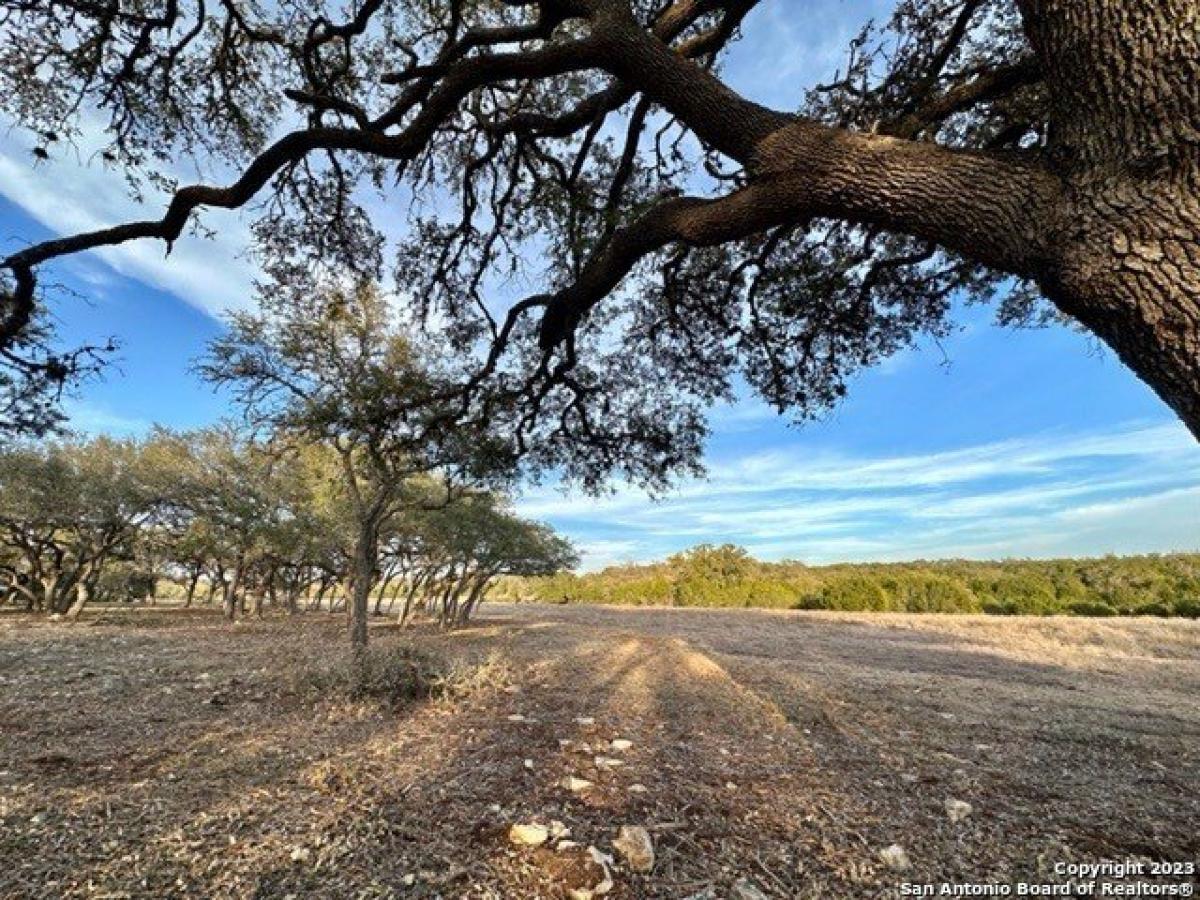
167, 754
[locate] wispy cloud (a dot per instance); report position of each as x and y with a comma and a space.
73, 193
1134, 488
91, 418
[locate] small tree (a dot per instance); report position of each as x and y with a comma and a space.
331, 365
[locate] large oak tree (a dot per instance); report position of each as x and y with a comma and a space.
680, 233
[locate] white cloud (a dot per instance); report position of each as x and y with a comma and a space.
91, 418
1134, 488
75, 193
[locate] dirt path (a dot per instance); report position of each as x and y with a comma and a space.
176, 758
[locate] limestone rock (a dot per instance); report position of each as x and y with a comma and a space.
530, 835
634, 844
558, 830
301, 855
958, 810
603, 860
895, 857
576, 785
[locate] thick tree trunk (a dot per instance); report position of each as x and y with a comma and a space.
409, 595
218, 578
1122, 76
1106, 222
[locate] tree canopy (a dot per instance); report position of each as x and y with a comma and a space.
677, 234
228, 520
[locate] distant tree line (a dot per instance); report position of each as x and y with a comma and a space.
213, 518
727, 576
349, 479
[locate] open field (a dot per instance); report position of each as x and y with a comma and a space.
163, 754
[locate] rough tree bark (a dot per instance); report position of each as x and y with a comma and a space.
1123, 78
362, 577
1108, 225
1106, 221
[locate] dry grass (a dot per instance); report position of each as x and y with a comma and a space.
167, 754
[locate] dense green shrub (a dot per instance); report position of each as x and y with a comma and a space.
1002, 608
727, 576
1189, 607
1090, 608
926, 592
854, 592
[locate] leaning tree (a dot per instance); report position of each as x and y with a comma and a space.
681, 232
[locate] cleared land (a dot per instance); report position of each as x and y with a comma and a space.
167, 754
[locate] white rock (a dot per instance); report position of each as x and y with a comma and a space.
634, 844
517, 717
608, 762
301, 855
745, 889
638, 788
575, 785
585, 720
620, 745
529, 764
530, 835
958, 810
580, 894
730, 786
603, 860
558, 830
894, 857
566, 845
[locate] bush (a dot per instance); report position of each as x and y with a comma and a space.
397, 675
1153, 609
727, 576
1091, 608
929, 593
1002, 608
394, 676
810, 601
1189, 608
851, 592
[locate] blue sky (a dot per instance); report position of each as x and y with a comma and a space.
998, 443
